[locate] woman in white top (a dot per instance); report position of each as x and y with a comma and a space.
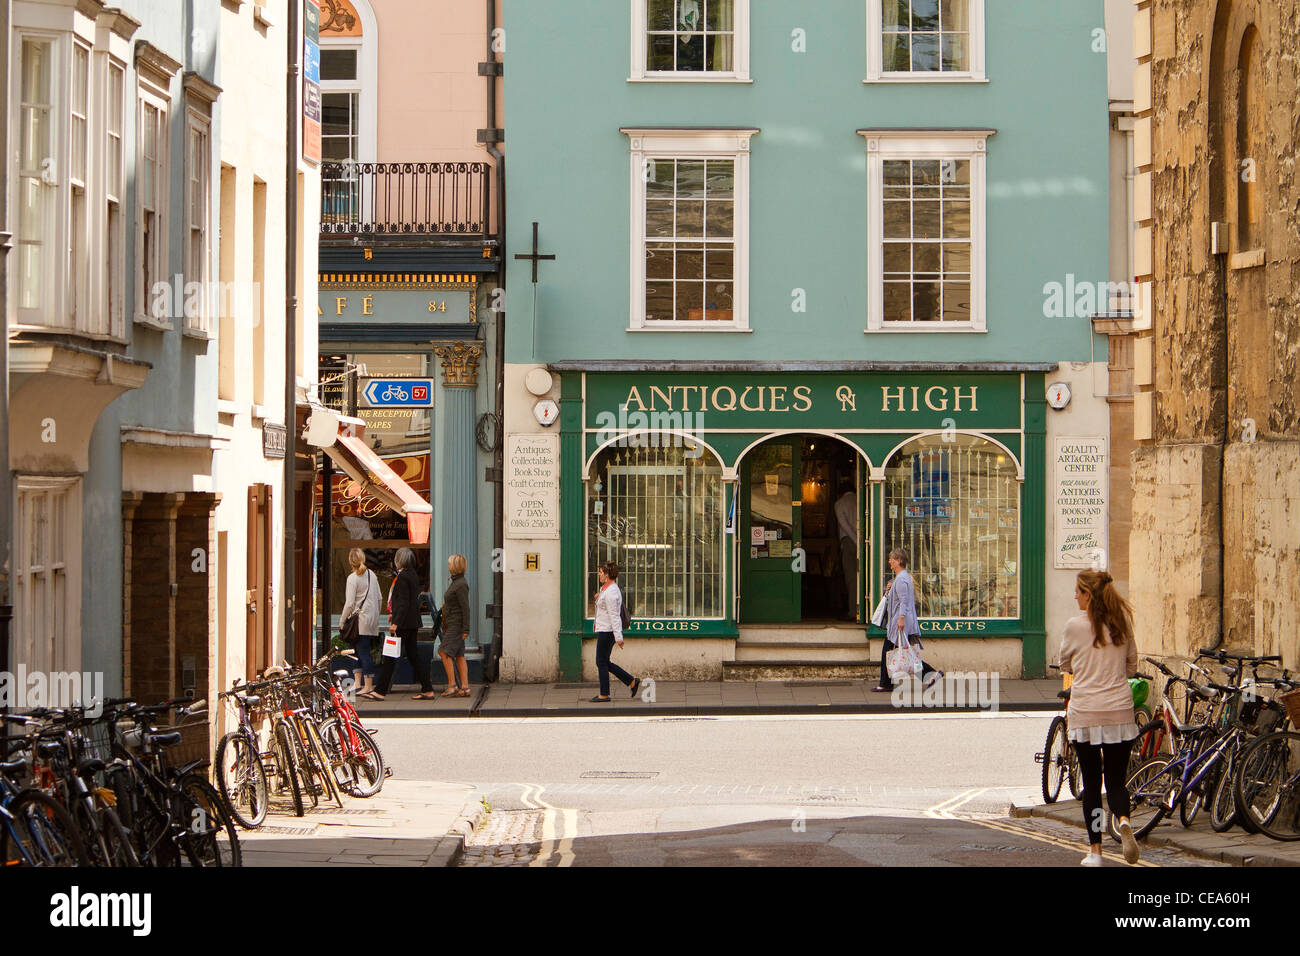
1101, 653
609, 631
363, 600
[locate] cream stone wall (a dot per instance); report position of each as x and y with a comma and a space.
1088, 414
530, 624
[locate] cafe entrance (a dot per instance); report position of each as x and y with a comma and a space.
800, 495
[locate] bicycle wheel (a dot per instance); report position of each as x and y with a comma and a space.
1147, 790
117, 838
92, 834
209, 838
1146, 746
321, 759
1223, 804
286, 767
364, 769
1055, 759
1191, 807
241, 779
42, 833
1268, 785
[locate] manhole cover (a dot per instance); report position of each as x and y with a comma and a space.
620, 774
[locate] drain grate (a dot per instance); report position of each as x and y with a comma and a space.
818, 683
620, 774
285, 831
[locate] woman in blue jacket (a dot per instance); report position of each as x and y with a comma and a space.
900, 619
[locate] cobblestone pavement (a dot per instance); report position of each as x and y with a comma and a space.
506, 838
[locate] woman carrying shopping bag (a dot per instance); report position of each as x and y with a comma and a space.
1101, 653
901, 627
404, 618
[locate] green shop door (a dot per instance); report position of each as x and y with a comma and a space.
770, 529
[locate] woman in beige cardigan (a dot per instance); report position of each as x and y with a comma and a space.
1099, 650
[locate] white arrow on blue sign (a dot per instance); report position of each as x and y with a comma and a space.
399, 393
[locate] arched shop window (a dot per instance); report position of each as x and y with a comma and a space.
955, 506
658, 513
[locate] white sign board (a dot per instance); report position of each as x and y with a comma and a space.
1080, 502
532, 492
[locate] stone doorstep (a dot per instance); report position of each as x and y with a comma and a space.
1231, 847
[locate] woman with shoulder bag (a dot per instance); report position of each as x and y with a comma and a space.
362, 604
609, 631
404, 618
1100, 651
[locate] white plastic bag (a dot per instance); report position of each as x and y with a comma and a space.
903, 661
392, 645
878, 615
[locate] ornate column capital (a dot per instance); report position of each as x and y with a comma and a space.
459, 363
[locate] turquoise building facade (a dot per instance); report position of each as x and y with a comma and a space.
866, 214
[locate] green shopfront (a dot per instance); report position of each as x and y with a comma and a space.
738, 495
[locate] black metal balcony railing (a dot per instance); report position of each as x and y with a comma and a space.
404, 199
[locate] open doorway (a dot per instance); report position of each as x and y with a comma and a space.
801, 531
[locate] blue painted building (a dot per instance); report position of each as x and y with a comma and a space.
819, 270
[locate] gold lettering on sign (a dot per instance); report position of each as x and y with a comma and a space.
802, 393
633, 394
848, 401
898, 397
730, 406
340, 303
956, 398
748, 389
778, 395
368, 305
929, 402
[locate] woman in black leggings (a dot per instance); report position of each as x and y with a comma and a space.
1099, 650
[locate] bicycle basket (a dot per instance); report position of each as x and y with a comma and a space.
1291, 701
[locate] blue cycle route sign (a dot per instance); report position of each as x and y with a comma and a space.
399, 393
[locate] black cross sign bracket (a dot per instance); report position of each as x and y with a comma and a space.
535, 257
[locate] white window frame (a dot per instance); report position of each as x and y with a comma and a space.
151, 96
80, 195
640, 49
58, 648
50, 312
200, 324
875, 57
967, 145
647, 144
114, 260
366, 85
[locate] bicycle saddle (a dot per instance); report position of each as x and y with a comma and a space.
12, 766
89, 767
252, 700
342, 673
48, 748
165, 739
1064, 694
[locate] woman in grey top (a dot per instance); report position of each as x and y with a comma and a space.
900, 619
1099, 650
363, 600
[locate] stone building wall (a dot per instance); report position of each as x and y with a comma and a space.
1223, 353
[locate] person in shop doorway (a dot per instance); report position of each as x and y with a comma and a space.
609, 632
846, 519
404, 618
1099, 650
455, 628
363, 600
900, 619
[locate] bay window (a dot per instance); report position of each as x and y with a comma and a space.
955, 506
37, 178
658, 512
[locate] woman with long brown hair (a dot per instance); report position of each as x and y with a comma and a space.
1100, 651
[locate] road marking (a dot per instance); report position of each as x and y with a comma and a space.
557, 841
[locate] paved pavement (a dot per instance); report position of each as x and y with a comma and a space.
408, 823
699, 698
1236, 847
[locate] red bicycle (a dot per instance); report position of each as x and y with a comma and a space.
355, 758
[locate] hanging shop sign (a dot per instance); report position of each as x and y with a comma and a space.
1080, 502
311, 98
827, 400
